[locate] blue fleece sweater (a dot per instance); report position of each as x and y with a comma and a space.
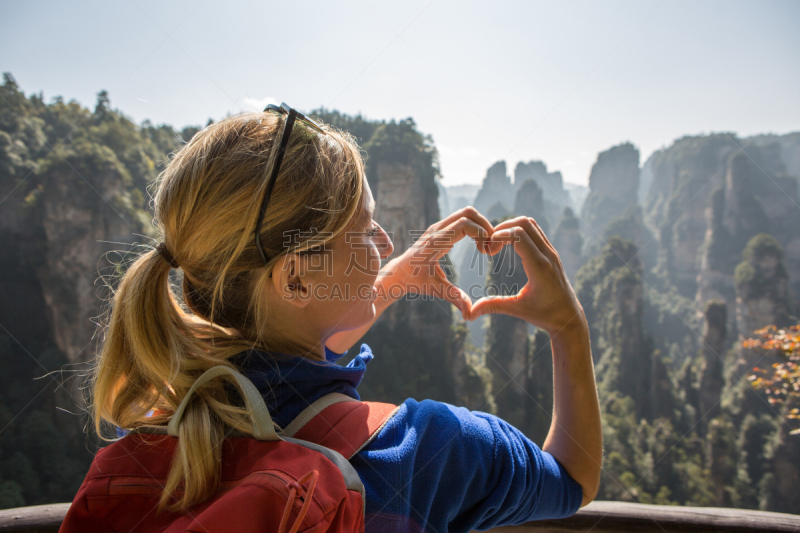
433, 467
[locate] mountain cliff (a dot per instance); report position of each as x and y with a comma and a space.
756, 196
613, 186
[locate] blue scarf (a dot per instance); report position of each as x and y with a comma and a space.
289, 384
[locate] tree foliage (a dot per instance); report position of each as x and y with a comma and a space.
781, 382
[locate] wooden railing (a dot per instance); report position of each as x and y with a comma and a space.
598, 517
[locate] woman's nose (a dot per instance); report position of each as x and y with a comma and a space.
386, 246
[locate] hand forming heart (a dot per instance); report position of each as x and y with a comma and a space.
547, 299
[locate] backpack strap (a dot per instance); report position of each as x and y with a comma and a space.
340, 423
313, 410
263, 428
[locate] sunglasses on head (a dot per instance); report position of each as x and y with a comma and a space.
291, 116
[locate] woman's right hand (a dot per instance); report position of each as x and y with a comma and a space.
418, 270
547, 301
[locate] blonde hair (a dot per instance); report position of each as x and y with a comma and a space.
206, 205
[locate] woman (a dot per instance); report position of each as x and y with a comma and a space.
270, 217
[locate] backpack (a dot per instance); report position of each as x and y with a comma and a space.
298, 480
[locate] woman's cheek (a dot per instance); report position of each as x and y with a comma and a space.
376, 259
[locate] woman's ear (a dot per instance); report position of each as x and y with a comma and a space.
290, 280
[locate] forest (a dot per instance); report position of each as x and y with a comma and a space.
679, 262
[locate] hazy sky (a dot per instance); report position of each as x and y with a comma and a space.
556, 81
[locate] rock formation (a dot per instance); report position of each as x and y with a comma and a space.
683, 177
529, 202
398, 207
610, 290
709, 195
577, 194
73, 207
713, 350
85, 207
66, 205
551, 183
762, 295
497, 187
613, 184
721, 459
555, 197
756, 433
630, 225
645, 178
497, 211
540, 387
788, 149
568, 242
756, 197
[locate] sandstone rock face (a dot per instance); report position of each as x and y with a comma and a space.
755, 197
529, 202
404, 211
708, 195
568, 242
762, 293
762, 296
745, 213
555, 197
713, 349
609, 287
472, 278
683, 177
497, 187
626, 365
496, 194
662, 396
715, 280
79, 208
78, 227
645, 179
613, 184
616, 173
401, 205
628, 304
761, 311
788, 149
78, 213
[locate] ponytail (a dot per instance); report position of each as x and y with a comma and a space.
151, 356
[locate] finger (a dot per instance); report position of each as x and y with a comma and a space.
453, 294
544, 236
526, 223
463, 303
524, 245
492, 305
468, 227
472, 214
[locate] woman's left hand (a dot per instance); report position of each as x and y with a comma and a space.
418, 270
